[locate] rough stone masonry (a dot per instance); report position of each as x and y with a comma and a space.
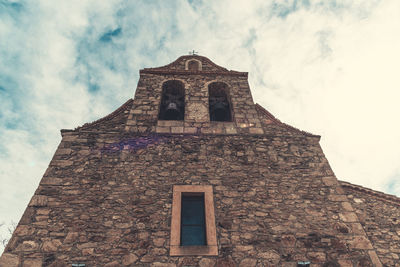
106, 197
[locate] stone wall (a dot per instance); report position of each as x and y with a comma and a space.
379, 214
105, 200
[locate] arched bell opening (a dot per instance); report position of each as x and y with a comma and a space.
219, 107
172, 101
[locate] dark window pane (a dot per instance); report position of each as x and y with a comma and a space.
192, 221
193, 236
193, 210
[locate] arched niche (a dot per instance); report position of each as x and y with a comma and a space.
172, 101
193, 65
218, 100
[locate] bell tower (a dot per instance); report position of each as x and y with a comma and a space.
193, 95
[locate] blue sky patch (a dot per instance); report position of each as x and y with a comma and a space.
252, 37
195, 4
283, 9
12, 124
93, 87
108, 36
10, 6
393, 186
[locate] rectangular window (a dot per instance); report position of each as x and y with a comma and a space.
193, 223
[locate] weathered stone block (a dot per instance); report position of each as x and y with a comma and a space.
374, 258
159, 242
160, 129
347, 206
330, 181
32, 263
51, 181
348, 217
162, 264
129, 259
63, 151
112, 264
190, 130
177, 130
8, 259
337, 198
316, 257
38, 201
69, 138
360, 242
207, 262
24, 230
28, 245
248, 263
345, 263
51, 246
256, 130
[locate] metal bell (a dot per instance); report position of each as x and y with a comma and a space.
172, 111
219, 106
172, 106
219, 109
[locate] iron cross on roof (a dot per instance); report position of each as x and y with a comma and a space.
193, 53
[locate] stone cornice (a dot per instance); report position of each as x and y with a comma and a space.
188, 72
175, 69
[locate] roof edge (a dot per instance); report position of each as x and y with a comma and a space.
393, 199
287, 126
101, 120
189, 72
166, 69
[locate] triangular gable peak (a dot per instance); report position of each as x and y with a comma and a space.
192, 64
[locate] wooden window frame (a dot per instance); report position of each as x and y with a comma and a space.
211, 247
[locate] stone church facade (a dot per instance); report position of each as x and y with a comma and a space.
123, 190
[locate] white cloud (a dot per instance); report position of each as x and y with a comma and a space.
328, 67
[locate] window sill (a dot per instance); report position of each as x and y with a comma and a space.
170, 123
193, 251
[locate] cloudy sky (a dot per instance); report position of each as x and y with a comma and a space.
328, 67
